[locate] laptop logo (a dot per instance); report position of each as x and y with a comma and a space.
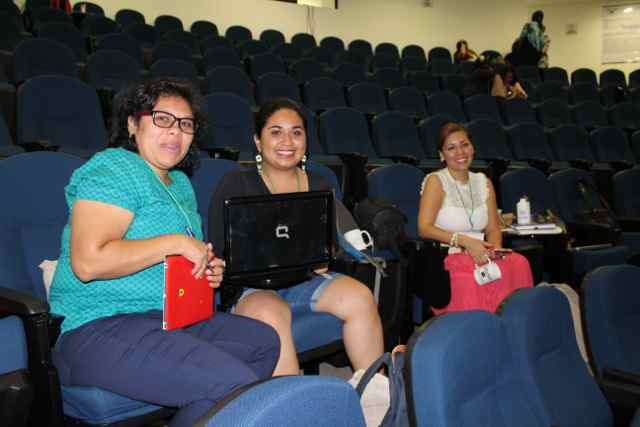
282, 232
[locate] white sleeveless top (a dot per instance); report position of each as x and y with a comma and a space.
464, 208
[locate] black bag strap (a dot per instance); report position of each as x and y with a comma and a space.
384, 360
583, 185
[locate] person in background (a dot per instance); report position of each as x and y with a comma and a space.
531, 41
131, 206
505, 85
463, 53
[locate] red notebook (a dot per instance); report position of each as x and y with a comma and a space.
187, 300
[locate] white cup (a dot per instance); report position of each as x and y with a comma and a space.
359, 239
487, 273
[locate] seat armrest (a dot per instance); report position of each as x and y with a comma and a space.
21, 304
620, 376
39, 145
628, 223
581, 164
621, 165
408, 159
228, 153
541, 164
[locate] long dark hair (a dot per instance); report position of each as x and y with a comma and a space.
270, 108
143, 97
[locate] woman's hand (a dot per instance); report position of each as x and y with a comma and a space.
198, 253
214, 271
480, 251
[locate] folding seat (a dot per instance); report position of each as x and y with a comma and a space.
313, 141
214, 42
88, 7
230, 79
530, 182
441, 67
78, 127
424, 81
97, 26
68, 35
590, 115
123, 43
634, 79
446, 103
203, 29
288, 52
581, 92
388, 48
170, 50
530, 73
249, 48
144, 33
413, 63
389, 78
111, 69
610, 144
550, 361
453, 83
47, 15
571, 143
333, 44
482, 106
16, 386
272, 38
429, 130
320, 54
550, 90
489, 140
323, 93
611, 95
265, 63
302, 400
584, 75
306, 69
491, 391
395, 136
553, 113
349, 74
345, 130
625, 193
383, 60
276, 85
408, 100
304, 41
184, 37
413, 50
221, 57
7, 148
529, 143
613, 77
517, 110
466, 68
440, 52
36, 57
556, 74
624, 116
238, 34
362, 48
126, 17
166, 23
490, 55
229, 124
176, 68
368, 98
10, 32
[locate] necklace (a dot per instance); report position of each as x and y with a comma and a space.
469, 215
272, 188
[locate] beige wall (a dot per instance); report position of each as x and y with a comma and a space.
487, 24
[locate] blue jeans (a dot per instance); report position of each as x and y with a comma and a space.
190, 368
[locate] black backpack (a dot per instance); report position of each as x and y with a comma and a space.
384, 222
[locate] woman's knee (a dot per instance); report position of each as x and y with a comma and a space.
267, 307
347, 296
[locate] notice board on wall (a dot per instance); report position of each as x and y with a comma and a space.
621, 33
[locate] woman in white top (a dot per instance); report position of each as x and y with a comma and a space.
458, 208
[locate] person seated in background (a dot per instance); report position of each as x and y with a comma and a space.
131, 206
463, 53
458, 208
280, 138
505, 85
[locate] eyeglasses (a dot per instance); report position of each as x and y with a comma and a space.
162, 119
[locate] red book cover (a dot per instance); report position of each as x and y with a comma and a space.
187, 300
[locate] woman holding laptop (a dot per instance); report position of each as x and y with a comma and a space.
280, 140
131, 206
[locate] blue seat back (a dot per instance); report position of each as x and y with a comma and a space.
589, 114
447, 103
429, 130
238, 34
550, 361
165, 23
265, 62
37, 57
439, 52
304, 41
68, 35
97, 26
185, 38
13, 352
611, 144
175, 68
333, 44
368, 98
112, 69
276, 85
349, 74
170, 50
580, 92
553, 112
144, 33
323, 93
230, 122
126, 17
288, 52
304, 70
556, 74
230, 79
529, 141
389, 78
412, 50
482, 106
362, 48
124, 43
345, 130
408, 100
613, 77
272, 38
424, 81
551, 90
627, 192
518, 110
221, 56
570, 142
528, 182
567, 198
489, 140
215, 41
388, 48
395, 134
203, 29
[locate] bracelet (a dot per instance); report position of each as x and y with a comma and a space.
453, 242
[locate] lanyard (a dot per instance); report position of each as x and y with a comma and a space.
188, 229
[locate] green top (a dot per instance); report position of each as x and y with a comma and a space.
533, 32
122, 178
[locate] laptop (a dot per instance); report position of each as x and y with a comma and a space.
187, 300
276, 241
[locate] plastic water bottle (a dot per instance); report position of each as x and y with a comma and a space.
523, 209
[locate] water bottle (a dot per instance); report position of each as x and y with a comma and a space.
523, 209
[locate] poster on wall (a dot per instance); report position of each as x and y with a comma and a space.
621, 33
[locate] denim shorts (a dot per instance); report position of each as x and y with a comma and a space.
302, 296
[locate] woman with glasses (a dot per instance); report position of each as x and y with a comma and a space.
131, 206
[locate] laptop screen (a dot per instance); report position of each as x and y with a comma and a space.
282, 236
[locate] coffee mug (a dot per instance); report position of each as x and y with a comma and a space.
359, 239
487, 273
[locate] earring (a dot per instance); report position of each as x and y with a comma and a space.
132, 139
259, 162
304, 163
441, 159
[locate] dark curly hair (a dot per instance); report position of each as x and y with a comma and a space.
143, 97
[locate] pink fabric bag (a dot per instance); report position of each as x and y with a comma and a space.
466, 294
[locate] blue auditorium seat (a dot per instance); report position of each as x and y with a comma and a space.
412, 50
203, 29
288, 52
126, 17
387, 48
366, 97
439, 52
165, 23
184, 37
144, 33
249, 48
305, 70
556, 74
230, 124
323, 93
37, 57
272, 37
304, 41
482, 106
408, 100
446, 103
170, 50
584, 75
276, 85
361, 48
16, 388
263, 63
349, 74
230, 79
111, 69
238, 34
124, 43
97, 26
389, 78
68, 35
220, 56
518, 110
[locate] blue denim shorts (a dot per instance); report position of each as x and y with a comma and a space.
301, 296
